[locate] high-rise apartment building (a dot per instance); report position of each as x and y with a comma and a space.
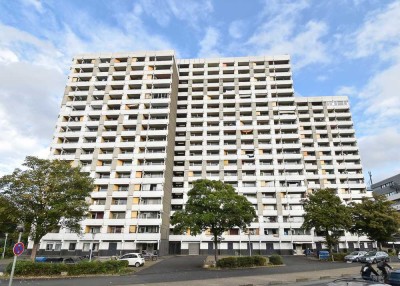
390, 188
146, 125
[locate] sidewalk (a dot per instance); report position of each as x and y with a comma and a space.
273, 279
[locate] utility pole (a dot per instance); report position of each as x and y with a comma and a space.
5, 245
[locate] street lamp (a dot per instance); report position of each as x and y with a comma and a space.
5, 245
91, 247
249, 232
20, 229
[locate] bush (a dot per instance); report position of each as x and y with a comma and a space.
245, 261
29, 268
275, 259
227, 262
259, 260
9, 252
338, 256
241, 261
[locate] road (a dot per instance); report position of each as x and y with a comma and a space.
187, 268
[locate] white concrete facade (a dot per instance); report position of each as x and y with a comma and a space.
146, 125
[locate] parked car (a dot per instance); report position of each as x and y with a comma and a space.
374, 257
49, 259
354, 256
394, 278
134, 259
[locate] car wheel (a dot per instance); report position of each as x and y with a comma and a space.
137, 264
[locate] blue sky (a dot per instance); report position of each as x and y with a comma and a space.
342, 47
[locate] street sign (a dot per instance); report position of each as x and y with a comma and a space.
18, 248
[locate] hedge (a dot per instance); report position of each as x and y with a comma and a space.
9, 252
338, 256
242, 261
29, 268
275, 259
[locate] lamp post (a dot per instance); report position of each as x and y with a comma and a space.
91, 247
5, 245
20, 229
248, 234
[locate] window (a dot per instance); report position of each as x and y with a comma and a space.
118, 215
72, 246
49, 246
57, 247
116, 229
149, 229
97, 215
86, 246
94, 229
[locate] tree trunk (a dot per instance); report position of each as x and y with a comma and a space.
215, 248
329, 243
34, 250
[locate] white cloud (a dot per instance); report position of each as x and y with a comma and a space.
209, 44
283, 33
381, 98
190, 11
380, 153
379, 33
37, 4
236, 29
346, 90
376, 105
33, 75
7, 56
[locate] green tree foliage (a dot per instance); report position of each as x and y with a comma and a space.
8, 221
215, 206
45, 195
376, 218
325, 212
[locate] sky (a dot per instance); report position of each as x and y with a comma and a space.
338, 47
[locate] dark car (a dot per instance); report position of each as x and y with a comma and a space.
394, 278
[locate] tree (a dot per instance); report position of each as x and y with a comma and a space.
215, 206
376, 218
8, 221
45, 195
325, 212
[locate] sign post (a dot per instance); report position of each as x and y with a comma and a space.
18, 249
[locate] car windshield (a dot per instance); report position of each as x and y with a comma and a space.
140, 255
354, 253
395, 275
371, 253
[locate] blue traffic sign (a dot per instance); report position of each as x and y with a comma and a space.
19, 247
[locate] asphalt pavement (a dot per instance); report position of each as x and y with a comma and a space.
187, 270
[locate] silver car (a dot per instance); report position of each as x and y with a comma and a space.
354, 256
374, 257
